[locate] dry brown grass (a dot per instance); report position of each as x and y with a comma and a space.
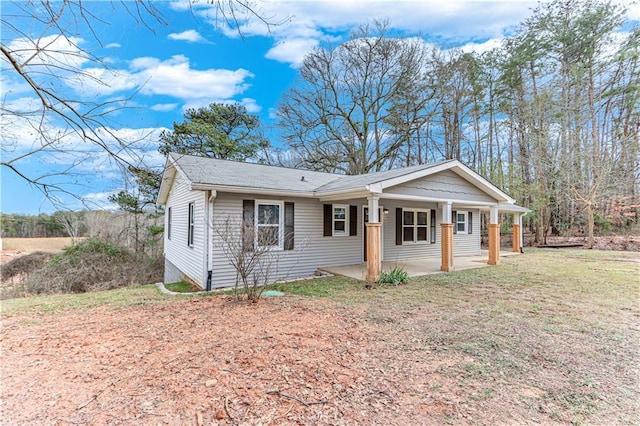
37, 244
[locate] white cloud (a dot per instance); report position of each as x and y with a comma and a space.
292, 51
492, 43
192, 36
55, 51
113, 46
93, 82
164, 107
310, 23
175, 77
251, 105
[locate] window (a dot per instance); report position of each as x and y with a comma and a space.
269, 227
415, 225
192, 225
340, 218
169, 223
461, 222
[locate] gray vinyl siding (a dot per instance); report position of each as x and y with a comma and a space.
189, 260
407, 250
445, 185
463, 244
468, 244
311, 248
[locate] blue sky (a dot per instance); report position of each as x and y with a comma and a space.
194, 60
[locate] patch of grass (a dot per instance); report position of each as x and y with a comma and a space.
331, 287
182, 287
122, 297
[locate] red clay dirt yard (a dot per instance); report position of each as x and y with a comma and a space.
520, 343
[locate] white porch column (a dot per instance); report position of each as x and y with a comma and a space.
446, 237
372, 201
494, 237
374, 241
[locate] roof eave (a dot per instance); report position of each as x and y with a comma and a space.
168, 175
252, 190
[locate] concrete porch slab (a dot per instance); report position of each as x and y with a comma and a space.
415, 267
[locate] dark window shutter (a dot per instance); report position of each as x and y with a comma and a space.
353, 220
433, 226
398, 226
288, 226
470, 224
328, 220
248, 228
454, 220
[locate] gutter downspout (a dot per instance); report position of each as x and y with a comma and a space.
209, 240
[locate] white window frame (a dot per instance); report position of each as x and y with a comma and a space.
191, 229
334, 220
257, 225
465, 222
169, 218
415, 226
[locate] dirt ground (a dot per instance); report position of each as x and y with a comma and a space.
210, 361
478, 348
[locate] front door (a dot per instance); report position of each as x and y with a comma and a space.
364, 232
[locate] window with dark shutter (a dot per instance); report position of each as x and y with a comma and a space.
353, 220
248, 230
454, 220
433, 227
398, 226
328, 220
288, 226
192, 225
470, 223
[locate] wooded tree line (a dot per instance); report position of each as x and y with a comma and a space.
552, 116
138, 231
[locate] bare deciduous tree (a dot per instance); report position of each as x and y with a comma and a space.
338, 116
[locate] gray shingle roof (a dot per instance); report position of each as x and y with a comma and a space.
211, 171
360, 181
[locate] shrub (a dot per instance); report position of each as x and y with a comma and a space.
24, 265
395, 276
92, 265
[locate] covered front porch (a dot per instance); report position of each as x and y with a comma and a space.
415, 267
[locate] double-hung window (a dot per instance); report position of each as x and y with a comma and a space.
192, 225
269, 224
461, 222
340, 219
415, 225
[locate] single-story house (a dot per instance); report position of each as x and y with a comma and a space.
314, 219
